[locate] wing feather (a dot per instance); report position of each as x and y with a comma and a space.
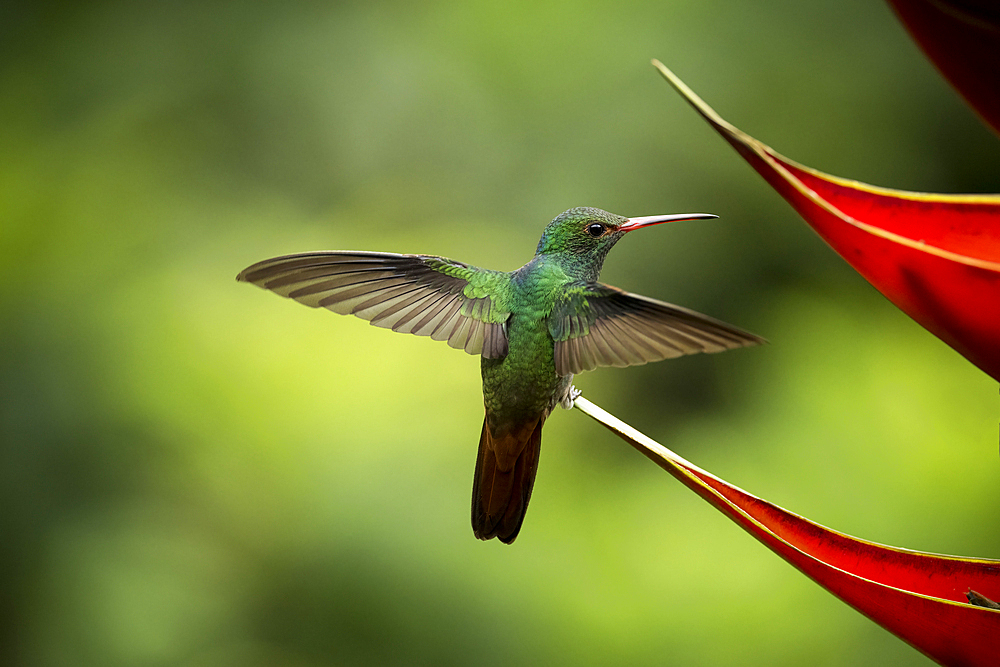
387, 302
604, 347
494, 342
419, 294
623, 342
586, 354
396, 316
408, 320
476, 336
451, 318
432, 320
599, 325
460, 332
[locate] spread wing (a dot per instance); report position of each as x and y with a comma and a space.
418, 294
599, 325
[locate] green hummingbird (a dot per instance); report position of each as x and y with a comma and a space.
534, 328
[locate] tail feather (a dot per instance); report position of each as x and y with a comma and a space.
505, 473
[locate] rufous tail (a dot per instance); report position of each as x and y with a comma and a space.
505, 473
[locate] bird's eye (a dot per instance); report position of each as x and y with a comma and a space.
595, 229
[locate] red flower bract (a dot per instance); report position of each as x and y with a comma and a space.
963, 40
937, 257
919, 597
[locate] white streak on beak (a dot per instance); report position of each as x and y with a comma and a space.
646, 221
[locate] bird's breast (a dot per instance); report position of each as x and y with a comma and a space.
524, 383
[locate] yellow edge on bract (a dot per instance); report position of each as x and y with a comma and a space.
768, 155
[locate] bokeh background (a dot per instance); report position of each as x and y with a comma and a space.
195, 472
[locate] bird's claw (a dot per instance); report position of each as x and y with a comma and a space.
571, 395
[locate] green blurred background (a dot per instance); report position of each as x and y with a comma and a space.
195, 472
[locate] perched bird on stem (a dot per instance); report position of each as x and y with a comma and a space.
535, 328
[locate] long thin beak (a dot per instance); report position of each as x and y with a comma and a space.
646, 221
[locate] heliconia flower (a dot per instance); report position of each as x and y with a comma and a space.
937, 257
922, 598
963, 40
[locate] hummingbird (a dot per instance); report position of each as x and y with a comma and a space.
534, 329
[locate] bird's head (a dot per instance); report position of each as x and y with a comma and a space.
581, 237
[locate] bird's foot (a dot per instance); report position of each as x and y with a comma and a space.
571, 396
